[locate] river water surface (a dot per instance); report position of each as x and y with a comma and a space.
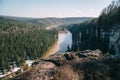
61, 46
64, 40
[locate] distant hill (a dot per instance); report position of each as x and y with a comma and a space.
52, 21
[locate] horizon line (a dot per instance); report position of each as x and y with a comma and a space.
49, 17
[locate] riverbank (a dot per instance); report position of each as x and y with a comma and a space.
51, 51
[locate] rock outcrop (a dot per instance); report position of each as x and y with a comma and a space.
82, 65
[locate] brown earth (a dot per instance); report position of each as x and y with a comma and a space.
83, 65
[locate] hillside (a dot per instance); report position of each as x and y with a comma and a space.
101, 33
20, 41
51, 21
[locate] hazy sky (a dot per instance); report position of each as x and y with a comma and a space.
52, 8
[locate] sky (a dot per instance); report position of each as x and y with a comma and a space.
52, 8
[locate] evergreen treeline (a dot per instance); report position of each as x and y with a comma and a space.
110, 16
20, 40
94, 34
86, 36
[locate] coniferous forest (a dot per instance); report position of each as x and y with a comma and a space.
99, 32
20, 40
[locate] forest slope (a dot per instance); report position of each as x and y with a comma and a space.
20, 41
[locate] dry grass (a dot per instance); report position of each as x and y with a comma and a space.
66, 73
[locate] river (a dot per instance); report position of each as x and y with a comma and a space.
61, 46
64, 40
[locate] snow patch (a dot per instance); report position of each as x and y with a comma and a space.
29, 62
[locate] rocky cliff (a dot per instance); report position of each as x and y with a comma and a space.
82, 65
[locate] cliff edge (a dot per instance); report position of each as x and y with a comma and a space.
82, 65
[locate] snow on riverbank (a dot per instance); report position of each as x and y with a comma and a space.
28, 62
10, 72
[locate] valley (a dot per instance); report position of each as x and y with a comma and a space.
61, 48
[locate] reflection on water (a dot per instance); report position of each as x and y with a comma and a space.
64, 40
